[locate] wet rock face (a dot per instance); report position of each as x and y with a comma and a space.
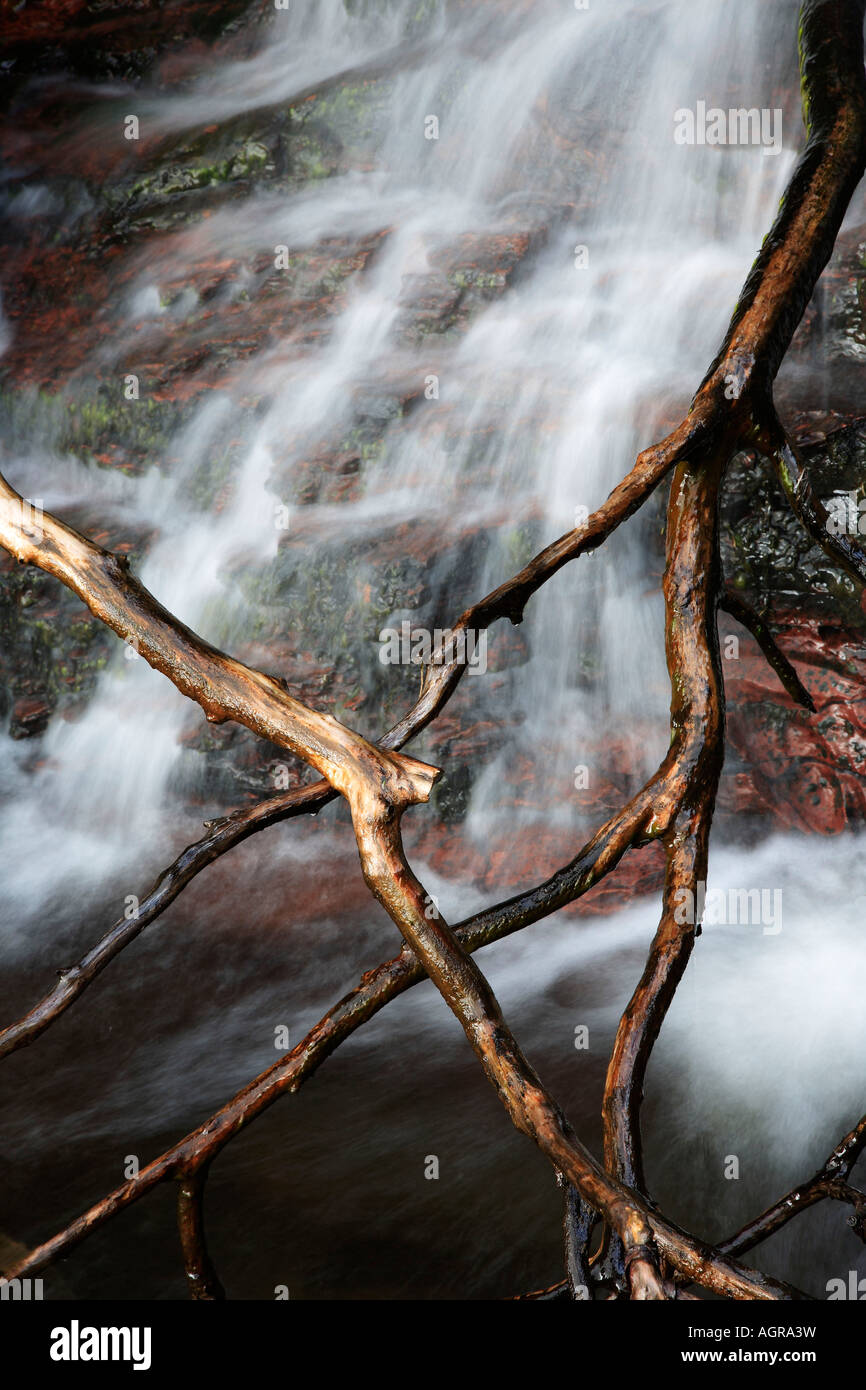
93, 230
116, 38
805, 769
52, 649
767, 554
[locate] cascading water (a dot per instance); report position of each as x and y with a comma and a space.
553, 129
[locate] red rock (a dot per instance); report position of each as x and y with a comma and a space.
29, 717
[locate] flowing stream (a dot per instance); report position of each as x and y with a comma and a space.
554, 128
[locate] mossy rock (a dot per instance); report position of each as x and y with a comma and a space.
767, 553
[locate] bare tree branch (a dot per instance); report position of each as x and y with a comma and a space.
204, 1284
755, 624
831, 1180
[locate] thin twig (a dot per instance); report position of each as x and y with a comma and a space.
756, 625
203, 1281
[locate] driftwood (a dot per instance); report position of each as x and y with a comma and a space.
640, 1254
